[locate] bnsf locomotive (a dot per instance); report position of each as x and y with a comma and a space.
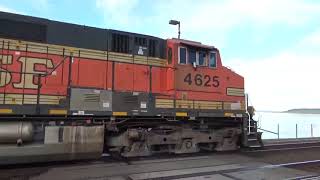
74, 92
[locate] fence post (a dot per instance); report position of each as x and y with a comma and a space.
296, 131
278, 132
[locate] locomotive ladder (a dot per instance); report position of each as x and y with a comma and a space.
253, 138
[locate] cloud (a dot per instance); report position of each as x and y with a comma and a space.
40, 5
280, 82
6, 9
117, 11
312, 40
221, 14
287, 79
207, 21
35, 5
226, 14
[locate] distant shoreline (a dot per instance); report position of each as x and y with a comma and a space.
269, 111
303, 111
296, 111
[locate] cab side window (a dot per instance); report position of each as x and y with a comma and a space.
213, 60
192, 56
182, 55
202, 58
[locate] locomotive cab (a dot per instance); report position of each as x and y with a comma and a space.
199, 79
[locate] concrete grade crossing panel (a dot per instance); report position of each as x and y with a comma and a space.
224, 167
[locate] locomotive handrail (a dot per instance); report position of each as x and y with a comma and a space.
65, 57
81, 52
41, 74
268, 131
39, 80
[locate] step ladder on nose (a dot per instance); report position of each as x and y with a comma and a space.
254, 138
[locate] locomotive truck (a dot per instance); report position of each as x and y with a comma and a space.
74, 92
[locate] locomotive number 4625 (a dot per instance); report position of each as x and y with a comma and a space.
202, 80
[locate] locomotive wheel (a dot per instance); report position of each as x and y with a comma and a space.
168, 138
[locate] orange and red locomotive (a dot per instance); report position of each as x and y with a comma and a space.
88, 90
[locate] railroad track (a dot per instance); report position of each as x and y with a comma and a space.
202, 168
182, 170
291, 144
225, 172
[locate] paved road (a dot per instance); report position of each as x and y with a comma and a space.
224, 166
215, 166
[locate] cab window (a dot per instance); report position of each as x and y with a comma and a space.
202, 58
182, 55
213, 60
192, 56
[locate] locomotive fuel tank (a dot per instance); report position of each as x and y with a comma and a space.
12, 132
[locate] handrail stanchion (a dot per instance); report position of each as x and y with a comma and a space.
296, 131
246, 106
278, 132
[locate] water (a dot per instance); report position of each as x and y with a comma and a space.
287, 124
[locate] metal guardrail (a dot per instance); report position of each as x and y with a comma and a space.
278, 131
268, 131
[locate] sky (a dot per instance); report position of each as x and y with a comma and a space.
274, 44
